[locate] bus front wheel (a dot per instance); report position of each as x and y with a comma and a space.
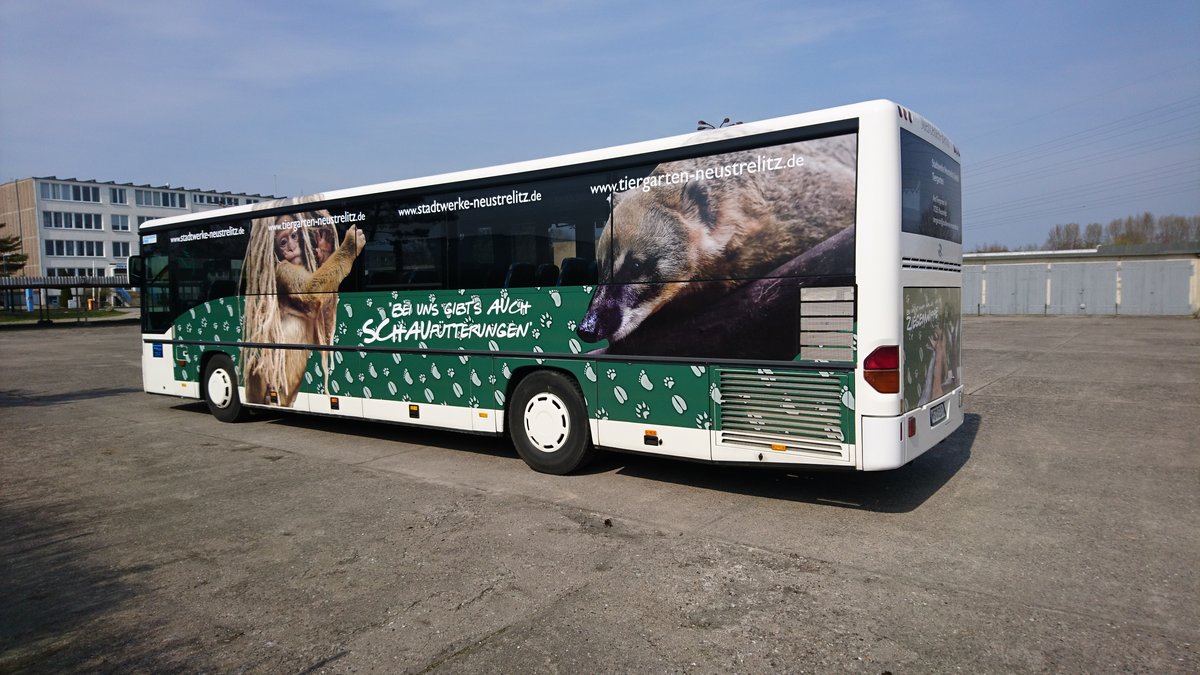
220, 390
548, 423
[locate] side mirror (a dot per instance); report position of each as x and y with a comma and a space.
137, 271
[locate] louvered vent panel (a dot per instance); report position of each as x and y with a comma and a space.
924, 264
789, 410
827, 323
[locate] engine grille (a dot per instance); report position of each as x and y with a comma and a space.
790, 411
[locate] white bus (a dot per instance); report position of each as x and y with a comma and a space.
783, 292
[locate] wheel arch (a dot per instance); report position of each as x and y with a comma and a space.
206, 358
522, 372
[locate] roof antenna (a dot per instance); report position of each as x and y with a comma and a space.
702, 125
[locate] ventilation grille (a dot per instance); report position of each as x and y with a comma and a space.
923, 264
783, 410
827, 324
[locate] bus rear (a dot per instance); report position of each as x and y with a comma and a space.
910, 284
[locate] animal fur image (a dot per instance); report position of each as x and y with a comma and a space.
291, 274
768, 207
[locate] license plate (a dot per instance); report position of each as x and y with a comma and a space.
937, 414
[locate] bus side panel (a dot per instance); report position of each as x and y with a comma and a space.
655, 408
159, 369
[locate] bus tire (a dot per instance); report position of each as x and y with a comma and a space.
220, 390
548, 423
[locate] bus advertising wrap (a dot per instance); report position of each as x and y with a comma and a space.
932, 330
699, 258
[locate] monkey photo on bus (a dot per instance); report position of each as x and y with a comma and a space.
291, 276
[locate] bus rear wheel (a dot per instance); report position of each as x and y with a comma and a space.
220, 390
548, 423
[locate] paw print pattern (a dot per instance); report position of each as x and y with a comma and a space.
642, 410
546, 320
847, 398
601, 414
612, 374
644, 380
669, 382
589, 372
571, 326
703, 421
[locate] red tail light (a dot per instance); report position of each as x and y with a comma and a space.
882, 369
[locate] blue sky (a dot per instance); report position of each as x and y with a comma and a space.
1064, 111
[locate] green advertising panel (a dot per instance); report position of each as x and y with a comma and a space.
932, 344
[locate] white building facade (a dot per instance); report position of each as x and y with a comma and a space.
71, 227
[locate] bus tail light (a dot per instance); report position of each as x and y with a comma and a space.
882, 369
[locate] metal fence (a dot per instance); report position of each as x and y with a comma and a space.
1155, 287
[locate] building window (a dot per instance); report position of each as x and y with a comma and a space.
74, 248
70, 193
215, 200
119, 223
142, 219
176, 200
78, 221
117, 196
120, 249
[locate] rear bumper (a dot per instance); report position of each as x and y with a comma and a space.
885, 442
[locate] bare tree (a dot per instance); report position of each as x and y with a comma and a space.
1064, 237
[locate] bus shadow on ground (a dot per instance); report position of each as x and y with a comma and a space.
897, 491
